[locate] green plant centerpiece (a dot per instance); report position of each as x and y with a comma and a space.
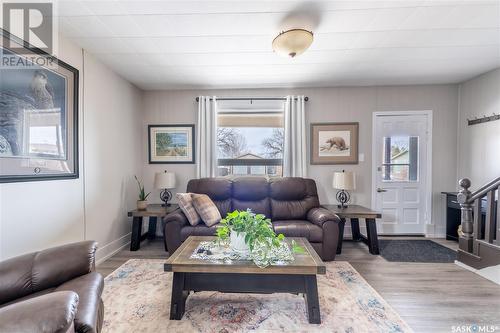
253, 235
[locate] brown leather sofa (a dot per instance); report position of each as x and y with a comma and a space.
55, 290
292, 204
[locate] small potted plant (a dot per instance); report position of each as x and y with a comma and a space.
235, 226
142, 203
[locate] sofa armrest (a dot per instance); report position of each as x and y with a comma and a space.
89, 288
172, 225
52, 313
176, 216
320, 215
329, 222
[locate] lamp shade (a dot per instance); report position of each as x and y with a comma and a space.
344, 181
292, 42
164, 180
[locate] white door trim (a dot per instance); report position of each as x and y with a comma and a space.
429, 227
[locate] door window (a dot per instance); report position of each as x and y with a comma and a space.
400, 159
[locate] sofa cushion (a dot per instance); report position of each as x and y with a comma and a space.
292, 198
197, 230
299, 228
53, 266
205, 207
186, 205
16, 278
218, 189
290, 188
258, 207
252, 193
250, 188
224, 206
89, 289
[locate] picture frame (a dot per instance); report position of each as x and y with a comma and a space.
171, 144
38, 114
334, 143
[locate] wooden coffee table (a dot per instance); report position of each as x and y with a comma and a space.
241, 276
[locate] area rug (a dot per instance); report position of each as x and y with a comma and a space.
137, 299
414, 250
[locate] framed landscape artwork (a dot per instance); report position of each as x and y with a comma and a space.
334, 143
171, 144
38, 114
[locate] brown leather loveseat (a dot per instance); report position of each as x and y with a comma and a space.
292, 204
54, 290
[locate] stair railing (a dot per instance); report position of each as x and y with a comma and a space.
471, 215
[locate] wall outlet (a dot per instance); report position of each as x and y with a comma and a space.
361, 157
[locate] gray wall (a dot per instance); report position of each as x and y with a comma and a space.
38, 215
479, 145
332, 105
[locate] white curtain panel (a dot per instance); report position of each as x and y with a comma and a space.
295, 153
206, 137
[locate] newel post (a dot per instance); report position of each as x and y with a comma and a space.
463, 197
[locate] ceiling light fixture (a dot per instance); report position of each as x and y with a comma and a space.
292, 42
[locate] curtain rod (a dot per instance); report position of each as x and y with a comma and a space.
252, 99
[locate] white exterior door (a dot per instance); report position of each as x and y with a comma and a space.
401, 143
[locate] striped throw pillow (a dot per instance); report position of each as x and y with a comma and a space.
186, 205
206, 208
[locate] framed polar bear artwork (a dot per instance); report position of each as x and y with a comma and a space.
334, 143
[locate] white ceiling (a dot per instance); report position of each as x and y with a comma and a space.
227, 44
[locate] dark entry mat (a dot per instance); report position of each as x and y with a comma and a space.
415, 251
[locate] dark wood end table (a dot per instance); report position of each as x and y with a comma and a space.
243, 276
154, 212
354, 213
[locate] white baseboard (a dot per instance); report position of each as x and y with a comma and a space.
491, 273
436, 235
110, 249
467, 267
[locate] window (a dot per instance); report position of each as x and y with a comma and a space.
250, 138
400, 160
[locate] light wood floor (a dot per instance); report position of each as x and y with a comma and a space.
429, 297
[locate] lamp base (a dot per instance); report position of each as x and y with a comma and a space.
165, 196
343, 197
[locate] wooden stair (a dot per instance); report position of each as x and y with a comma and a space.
479, 243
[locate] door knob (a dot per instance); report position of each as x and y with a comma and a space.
380, 190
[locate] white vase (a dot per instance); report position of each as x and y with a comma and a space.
238, 242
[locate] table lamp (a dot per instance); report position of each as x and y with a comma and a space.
343, 181
165, 181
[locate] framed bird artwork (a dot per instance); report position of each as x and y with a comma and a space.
38, 114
